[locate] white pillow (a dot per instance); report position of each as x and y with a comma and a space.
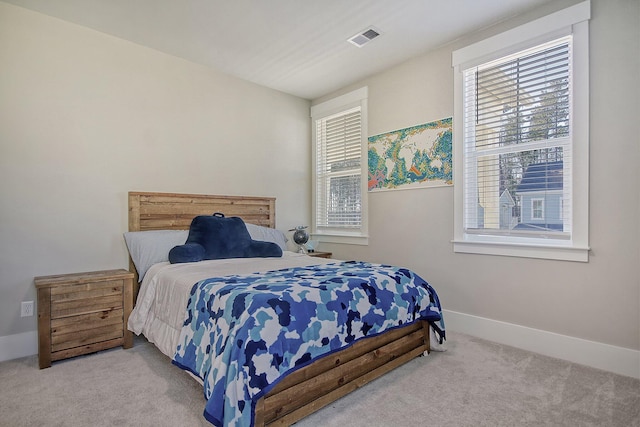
151, 247
267, 234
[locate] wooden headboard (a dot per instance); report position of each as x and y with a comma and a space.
174, 211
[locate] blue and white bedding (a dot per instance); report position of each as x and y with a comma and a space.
243, 333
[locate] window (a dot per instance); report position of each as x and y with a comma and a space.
339, 151
521, 134
537, 209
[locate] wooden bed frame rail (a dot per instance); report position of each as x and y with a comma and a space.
311, 388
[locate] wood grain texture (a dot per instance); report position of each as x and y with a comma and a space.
328, 379
173, 211
82, 313
44, 327
321, 254
127, 339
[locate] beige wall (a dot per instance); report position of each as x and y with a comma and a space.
85, 118
597, 301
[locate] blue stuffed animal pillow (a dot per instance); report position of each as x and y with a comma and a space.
217, 237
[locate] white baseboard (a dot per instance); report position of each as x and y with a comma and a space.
18, 345
607, 357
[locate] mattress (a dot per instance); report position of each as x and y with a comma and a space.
162, 300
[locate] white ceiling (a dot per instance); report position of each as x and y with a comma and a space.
295, 46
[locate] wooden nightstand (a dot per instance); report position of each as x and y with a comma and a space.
320, 254
83, 313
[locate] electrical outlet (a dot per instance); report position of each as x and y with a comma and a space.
26, 309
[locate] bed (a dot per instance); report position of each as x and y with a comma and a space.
301, 391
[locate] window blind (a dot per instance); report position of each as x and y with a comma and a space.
338, 169
517, 142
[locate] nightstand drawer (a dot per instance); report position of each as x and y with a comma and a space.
74, 300
76, 331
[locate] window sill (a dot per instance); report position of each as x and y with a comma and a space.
341, 238
539, 251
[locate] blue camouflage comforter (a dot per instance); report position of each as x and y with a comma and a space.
243, 333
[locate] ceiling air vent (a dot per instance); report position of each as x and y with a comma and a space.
364, 37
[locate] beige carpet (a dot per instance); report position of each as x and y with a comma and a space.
474, 383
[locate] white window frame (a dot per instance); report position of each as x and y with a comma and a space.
356, 98
572, 20
533, 209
